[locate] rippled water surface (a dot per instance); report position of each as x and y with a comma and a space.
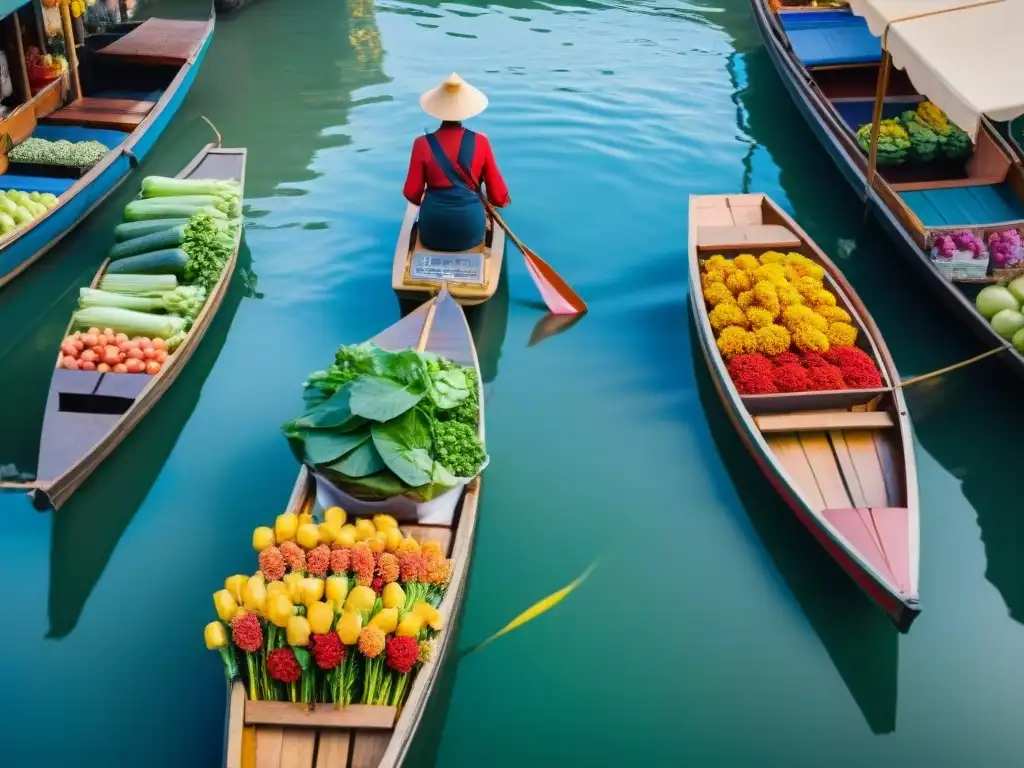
715, 632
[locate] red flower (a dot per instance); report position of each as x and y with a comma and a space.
812, 359
859, 371
340, 560
246, 632
272, 564
377, 585
282, 665
785, 358
755, 384
328, 651
318, 561
402, 653
790, 377
824, 377
743, 365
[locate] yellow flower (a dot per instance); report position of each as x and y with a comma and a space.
320, 617
771, 257
285, 526
734, 341
788, 296
308, 536
364, 529
711, 277
834, 314
747, 262
799, 314
280, 610
384, 522
807, 286
334, 516
809, 339
235, 584
765, 296
394, 539
738, 282
821, 298
410, 626
745, 299
349, 626
772, 273
725, 315
386, 620
312, 590
294, 582
215, 635
225, 605
360, 599
336, 589
718, 293
715, 261
841, 335
329, 532
393, 595
262, 538
297, 631
346, 536
771, 340
255, 594
759, 317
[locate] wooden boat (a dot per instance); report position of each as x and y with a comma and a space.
88, 414
280, 734
472, 276
829, 62
842, 460
133, 80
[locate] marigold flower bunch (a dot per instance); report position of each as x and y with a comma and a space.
337, 613
840, 368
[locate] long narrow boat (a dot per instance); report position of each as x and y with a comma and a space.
830, 62
843, 460
472, 276
88, 414
279, 734
133, 80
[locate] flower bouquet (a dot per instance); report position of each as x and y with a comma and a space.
1007, 255
337, 613
960, 254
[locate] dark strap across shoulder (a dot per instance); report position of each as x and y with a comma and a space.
467, 148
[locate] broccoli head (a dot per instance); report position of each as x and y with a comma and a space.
458, 447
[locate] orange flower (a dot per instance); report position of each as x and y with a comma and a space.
371, 642
362, 563
410, 565
387, 567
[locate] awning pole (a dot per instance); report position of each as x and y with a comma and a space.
22, 66
69, 48
876, 118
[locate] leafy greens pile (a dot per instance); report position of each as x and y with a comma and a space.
208, 248
380, 424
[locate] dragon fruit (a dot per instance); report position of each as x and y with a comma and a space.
961, 240
1005, 247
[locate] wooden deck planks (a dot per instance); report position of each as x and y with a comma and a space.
824, 420
160, 41
369, 749
869, 469
823, 464
269, 745
849, 472
333, 749
297, 748
118, 114
789, 453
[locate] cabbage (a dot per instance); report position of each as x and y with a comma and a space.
1018, 341
1016, 287
1007, 322
994, 299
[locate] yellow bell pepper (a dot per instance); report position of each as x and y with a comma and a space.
280, 610
426, 610
308, 536
379, 542
329, 532
275, 588
285, 526
255, 594
394, 539
364, 529
335, 516
346, 536
225, 605
384, 522
386, 620
393, 595
215, 635
294, 582
235, 584
410, 626
436, 621
408, 545
297, 631
349, 626
306, 519
262, 538
360, 599
336, 589
312, 590
320, 616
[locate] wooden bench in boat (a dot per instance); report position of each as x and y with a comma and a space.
118, 114
732, 237
823, 421
159, 42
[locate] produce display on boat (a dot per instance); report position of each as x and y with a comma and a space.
381, 424
778, 327
171, 251
1001, 305
18, 208
918, 135
77, 154
339, 612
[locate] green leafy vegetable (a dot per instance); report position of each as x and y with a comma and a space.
364, 460
208, 249
324, 446
459, 448
404, 444
380, 399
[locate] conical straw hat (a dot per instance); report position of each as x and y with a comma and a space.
454, 99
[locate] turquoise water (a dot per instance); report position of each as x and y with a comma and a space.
715, 631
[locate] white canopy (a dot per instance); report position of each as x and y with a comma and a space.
965, 60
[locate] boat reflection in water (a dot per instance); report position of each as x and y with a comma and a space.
87, 529
859, 639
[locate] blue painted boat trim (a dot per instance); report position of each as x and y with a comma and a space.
794, 79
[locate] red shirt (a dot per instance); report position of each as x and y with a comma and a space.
425, 172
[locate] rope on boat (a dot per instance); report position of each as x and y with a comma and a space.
948, 368
214, 127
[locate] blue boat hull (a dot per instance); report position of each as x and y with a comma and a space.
24, 250
794, 78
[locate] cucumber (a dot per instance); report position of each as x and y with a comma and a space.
167, 262
156, 241
132, 229
142, 210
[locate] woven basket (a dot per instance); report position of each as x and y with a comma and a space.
961, 268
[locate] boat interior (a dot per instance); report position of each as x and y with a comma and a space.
843, 60
123, 72
843, 450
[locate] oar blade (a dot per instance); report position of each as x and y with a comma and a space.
559, 297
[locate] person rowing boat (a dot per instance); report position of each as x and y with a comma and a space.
445, 162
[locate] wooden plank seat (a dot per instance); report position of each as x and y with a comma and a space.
823, 421
725, 238
159, 42
117, 114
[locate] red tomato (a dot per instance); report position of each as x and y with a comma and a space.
135, 354
102, 368
119, 368
70, 363
152, 367
120, 338
87, 366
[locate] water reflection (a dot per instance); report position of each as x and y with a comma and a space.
860, 641
86, 530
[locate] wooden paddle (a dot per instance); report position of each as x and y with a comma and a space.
560, 298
